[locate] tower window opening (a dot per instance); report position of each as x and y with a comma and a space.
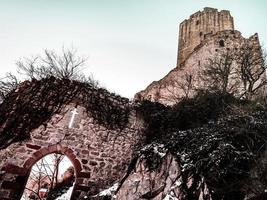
197, 22
221, 43
200, 34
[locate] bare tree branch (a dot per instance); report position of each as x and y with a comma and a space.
7, 84
251, 63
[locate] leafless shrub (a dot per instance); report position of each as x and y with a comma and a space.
64, 65
67, 65
181, 89
7, 84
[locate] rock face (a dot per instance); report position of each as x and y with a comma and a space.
100, 153
205, 35
215, 161
166, 182
143, 183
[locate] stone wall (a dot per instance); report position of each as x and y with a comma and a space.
200, 25
100, 154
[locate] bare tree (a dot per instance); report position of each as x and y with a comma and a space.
64, 65
251, 62
219, 74
187, 85
182, 88
7, 84
67, 65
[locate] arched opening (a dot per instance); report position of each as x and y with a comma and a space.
51, 178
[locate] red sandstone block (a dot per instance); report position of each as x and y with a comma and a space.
65, 149
93, 163
94, 153
82, 188
84, 161
79, 181
33, 146
52, 148
68, 151
85, 152
29, 163
37, 155
104, 155
71, 156
45, 151
99, 159
77, 166
59, 148
10, 185
13, 169
102, 164
85, 174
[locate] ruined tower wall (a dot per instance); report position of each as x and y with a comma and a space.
169, 90
194, 30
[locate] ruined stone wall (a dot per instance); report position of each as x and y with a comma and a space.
200, 25
169, 90
100, 154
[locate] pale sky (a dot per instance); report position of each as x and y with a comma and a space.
128, 43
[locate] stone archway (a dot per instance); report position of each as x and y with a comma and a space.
20, 174
51, 177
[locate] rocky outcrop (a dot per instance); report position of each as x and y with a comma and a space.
166, 181
186, 80
143, 183
223, 159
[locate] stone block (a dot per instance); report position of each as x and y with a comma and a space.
33, 146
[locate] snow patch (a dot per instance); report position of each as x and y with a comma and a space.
170, 196
158, 149
67, 195
109, 191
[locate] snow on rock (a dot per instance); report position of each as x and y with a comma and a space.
157, 148
170, 197
109, 191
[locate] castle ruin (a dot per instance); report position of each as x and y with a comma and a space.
205, 35
103, 134
200, 25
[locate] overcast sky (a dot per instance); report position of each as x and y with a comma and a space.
128, 43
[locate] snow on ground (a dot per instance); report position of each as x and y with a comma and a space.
67, 195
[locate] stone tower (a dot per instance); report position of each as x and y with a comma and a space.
194, 30
205, 35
